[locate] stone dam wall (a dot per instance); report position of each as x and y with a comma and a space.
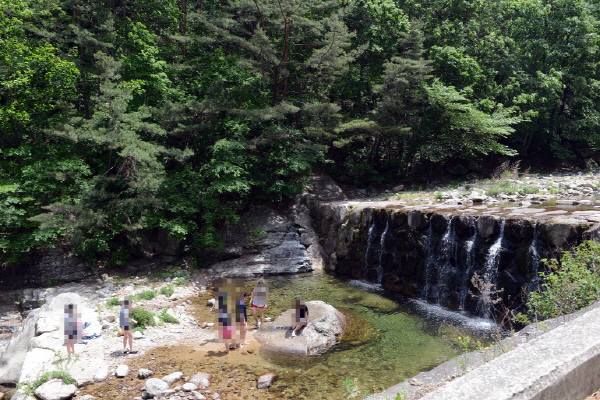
459, 258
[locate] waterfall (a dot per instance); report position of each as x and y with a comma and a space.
370, 240
447, 260
382, 251
470, 264
429, 263
487, 284
534, 282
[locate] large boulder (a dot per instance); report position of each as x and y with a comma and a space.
55, 389
325, 329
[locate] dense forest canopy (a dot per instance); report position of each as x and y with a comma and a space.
121, 117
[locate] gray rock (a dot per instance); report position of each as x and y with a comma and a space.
487, 226
198, 396
202, 380
55, 389
188, 387
138, 335
86, 397
172, 378
266, 380
144, 373
326, 326
101, 373
156, 387
121, 371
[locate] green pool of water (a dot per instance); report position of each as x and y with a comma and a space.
384, 344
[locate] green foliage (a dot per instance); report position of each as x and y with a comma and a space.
143, 317
167, 318
167, 290
113, 301
149, 116
31, 387
179, 281
572, 284
146, 295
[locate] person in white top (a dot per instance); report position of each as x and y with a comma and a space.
258, 301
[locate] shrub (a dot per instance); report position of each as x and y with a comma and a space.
146, 295
167, 290
114, 301
529, 189
493, 192
166, 317
572, 284
143, 317
31, 387
180, 281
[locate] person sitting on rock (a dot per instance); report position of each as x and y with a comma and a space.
258, 300
299, 315
125, 321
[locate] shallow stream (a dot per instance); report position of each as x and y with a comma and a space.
385, 343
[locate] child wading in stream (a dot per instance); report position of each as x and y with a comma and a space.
258, 301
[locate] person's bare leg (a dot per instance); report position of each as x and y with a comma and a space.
130, 340
254, 315
124, 341
262, 321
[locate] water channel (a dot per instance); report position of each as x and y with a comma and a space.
387, 340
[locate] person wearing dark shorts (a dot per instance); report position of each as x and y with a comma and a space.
125, 322
299, 315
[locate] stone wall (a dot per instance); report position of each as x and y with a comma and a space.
436, 254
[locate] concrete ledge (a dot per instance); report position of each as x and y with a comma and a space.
561, 364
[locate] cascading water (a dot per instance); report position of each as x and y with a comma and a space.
535, 260
487, 283
470, 265
370, 240
446, 260
429, 263
382, 251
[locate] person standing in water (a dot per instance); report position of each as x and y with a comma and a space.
258, 301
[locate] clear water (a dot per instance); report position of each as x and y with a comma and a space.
385, 343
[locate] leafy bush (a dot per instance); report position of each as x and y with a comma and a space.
572, 284
31, 387
146, 295
143, 317
114, 301
180, 281
167, 290
166, 317
529, 189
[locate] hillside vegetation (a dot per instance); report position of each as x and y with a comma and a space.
120, 118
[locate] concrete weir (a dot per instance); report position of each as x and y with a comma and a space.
562, 363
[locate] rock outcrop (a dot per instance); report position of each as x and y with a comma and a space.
263, 242
38, 345
325, 329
